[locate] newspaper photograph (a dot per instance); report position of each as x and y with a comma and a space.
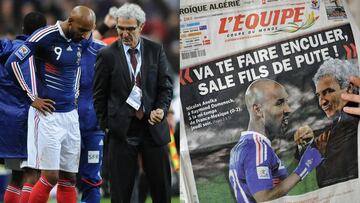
261, 84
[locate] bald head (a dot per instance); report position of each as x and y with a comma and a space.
80, 23
84, 14
267, 103
260, 91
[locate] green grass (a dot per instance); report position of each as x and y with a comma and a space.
217, 188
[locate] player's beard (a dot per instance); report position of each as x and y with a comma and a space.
76, 40
274, 130
73, 37
271, 133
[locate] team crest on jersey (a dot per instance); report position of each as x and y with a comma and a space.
263, 172
22, 52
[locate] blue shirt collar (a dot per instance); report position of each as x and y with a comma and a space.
62, 32
244, 133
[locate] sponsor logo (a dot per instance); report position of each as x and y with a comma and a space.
93, 157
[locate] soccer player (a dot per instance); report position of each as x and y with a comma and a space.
53, 133
255, 171
91, 135
13, 105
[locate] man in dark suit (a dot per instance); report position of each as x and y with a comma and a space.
132, 94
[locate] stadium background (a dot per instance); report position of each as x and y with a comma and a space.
162, 24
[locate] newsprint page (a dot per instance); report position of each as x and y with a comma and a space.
260, 92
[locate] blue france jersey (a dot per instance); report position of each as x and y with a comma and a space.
57, 65
13, 103
87, 115
254, 166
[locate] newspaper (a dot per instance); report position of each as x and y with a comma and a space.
227, 45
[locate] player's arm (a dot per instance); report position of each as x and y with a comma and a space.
261, 186
77, 83
6, 48
280, 190
14, 62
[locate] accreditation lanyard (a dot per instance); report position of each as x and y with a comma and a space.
138, 67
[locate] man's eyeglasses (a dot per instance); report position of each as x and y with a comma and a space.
128, 29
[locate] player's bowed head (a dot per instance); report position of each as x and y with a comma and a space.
80, 23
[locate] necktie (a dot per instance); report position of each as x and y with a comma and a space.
134, 64
139, 113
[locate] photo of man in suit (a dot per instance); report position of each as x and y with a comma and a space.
132, 94
338, 143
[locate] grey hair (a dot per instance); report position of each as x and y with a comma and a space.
129, 10
112, 11
340, 70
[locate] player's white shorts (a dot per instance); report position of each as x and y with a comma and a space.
53, 141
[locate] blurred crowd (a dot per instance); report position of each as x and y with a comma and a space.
162, 18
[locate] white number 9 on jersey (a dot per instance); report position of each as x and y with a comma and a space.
58, 52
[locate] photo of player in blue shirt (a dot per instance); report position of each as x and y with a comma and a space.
255, 171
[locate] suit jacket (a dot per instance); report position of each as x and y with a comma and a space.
112, 86
341, 151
